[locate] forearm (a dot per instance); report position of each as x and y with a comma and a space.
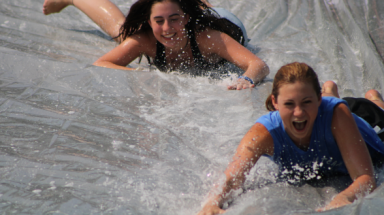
111, 65
220, 194
256, 142
361, 186
257, 71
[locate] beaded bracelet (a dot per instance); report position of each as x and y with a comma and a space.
246, 78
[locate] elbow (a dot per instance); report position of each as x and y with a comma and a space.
265, 69
371, 183
367, 182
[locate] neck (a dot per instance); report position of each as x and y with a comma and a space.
302, 144
183, 45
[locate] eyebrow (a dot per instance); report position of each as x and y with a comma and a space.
175, 14
307, 97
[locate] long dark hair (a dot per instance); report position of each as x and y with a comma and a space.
200, 18
290, 74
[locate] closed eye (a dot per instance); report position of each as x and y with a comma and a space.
159, 21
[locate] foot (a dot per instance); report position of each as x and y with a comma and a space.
55, 6
375, 97
330, 89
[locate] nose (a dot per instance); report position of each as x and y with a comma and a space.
298, 111
166, 26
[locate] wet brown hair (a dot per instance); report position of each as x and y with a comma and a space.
290, 74
199, 18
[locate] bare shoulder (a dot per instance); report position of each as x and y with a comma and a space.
145, 42
259, 139
341, 110
211, 43
341, 106
344, 125
208, 37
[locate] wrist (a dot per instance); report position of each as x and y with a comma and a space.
246, 78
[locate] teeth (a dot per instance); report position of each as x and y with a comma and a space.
299, 125
168, 35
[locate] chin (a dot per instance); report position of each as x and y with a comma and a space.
170, 44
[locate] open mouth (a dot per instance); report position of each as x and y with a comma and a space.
169, 36
300, 125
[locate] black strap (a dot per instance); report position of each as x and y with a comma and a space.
367, 110
159, 60
200, 63
198, 58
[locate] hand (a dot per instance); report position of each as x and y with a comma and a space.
240, 84
338, 201
210, 209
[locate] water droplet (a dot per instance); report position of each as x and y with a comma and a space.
36, 191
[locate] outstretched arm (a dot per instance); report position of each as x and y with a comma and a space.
123, 54
255, 143
355, 155
212, 41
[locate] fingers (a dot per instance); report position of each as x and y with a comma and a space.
241, 84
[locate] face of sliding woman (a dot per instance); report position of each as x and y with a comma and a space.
168, 22
298, 105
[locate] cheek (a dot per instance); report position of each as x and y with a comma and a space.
285, 115
180, 25
154, 26
314, 113
156, 29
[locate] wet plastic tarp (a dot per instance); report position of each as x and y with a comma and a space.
80, 139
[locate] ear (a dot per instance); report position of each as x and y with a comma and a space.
186, 18
274, 102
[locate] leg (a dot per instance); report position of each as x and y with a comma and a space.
103, 12
55, 6
375, 97
330, 89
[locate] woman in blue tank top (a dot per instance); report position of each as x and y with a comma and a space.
183, 35
311, 134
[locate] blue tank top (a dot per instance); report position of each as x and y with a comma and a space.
323, 157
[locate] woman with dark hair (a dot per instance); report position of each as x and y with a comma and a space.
175, 34
312, 135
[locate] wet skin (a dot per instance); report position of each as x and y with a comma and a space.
168, 22
298, 107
